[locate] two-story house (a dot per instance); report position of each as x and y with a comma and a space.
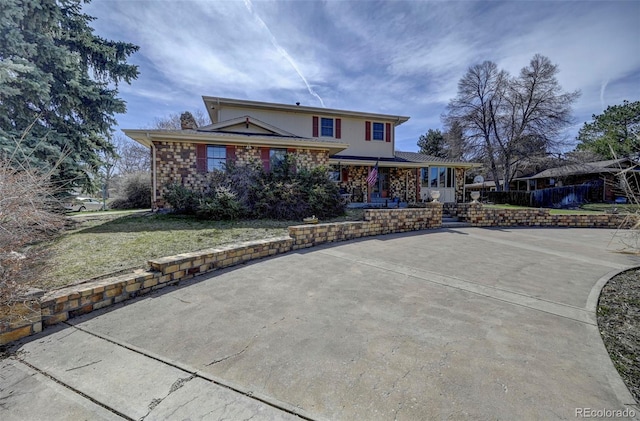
351, 143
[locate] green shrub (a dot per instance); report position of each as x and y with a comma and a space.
249, 191
182, 199
223, 204
134, 192
322, 194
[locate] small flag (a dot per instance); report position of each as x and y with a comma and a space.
373, 175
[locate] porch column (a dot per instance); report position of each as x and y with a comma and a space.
368, 185
418, 181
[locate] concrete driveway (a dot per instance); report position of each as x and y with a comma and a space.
454, 324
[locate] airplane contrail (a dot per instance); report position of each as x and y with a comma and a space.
282, 51
602, 89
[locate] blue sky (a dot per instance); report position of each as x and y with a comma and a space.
394, 57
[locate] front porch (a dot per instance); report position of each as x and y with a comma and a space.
397, 186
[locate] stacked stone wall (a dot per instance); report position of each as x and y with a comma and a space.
356, 180
376, 222
459, 185
309, 158
246, 156
403, 184
175, 163
479, 216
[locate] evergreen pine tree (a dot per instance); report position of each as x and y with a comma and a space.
59, 87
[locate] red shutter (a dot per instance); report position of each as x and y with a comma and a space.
338, 128
201, 158
388, 134
266, 161
231, 153
293, 163
345, 175
367, 130
315, 126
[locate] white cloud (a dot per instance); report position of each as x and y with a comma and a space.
395, 57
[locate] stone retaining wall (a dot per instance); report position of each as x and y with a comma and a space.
376, 222
479, 216
30, 315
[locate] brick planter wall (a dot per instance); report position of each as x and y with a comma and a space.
376, 222
21, 317
479, 216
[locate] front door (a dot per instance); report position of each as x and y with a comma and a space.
381, 188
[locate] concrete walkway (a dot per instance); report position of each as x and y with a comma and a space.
461, 323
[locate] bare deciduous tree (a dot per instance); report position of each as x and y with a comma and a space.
133, 157
506, 119
172, 121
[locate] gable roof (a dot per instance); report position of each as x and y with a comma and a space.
147, 137
597, 167
213, 103
248, 121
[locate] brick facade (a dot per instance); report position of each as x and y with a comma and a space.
176, 163
354, 182
459, 185
402, 183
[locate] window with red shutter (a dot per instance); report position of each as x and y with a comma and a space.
388, 130
367, 130
231, 153
201, 158
266, 159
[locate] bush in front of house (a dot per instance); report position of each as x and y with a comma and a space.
250, 192
134, 192
323, 195
182, 199
223, 204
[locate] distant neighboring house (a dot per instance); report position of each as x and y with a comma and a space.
350, 143
602, 175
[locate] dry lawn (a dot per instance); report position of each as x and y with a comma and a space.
99, 245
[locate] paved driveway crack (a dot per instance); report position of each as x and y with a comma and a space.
228, 356
175, 386
83, 366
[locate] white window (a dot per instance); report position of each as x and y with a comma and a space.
216, 157
326, 127
438, 177
378, 131
276, 157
